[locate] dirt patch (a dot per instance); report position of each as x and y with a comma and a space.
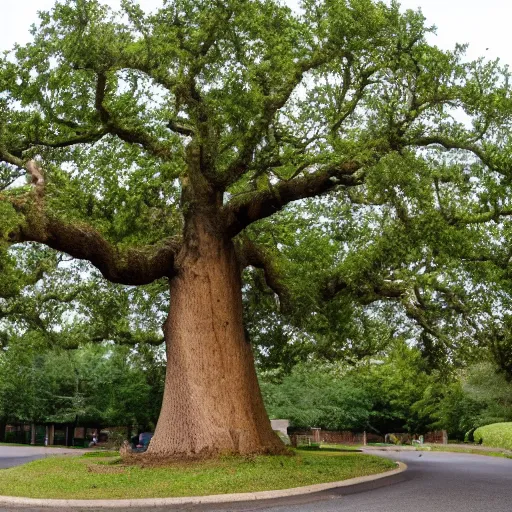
145, 460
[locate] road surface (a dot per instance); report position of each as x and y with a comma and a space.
15, 455
434, 482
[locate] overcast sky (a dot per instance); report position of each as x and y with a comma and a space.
484, 24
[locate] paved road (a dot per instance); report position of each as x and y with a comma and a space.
435, 482
15, 455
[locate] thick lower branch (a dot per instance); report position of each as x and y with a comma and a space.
130, 266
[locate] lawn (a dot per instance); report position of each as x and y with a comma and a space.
88, 477
342, 447
457, 449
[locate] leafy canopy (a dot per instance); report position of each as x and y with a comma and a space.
250, 110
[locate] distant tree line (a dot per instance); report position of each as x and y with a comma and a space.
99, 384
395, 392
118, 385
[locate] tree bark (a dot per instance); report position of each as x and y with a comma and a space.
212, 402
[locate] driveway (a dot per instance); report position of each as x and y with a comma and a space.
435, 482
15, 455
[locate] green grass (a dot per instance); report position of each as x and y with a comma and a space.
335, 447
99, 453
86, 478
456, 449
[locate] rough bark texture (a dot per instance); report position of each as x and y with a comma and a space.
212, 401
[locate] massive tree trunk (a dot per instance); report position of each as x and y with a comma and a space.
212, 402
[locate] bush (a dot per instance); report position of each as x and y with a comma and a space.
470, 436
312, 446
115, 440
497, 435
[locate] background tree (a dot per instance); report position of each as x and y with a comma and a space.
165, 146
316, 395
98, 384
378, 394
476, 396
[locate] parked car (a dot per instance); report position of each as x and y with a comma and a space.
140, 443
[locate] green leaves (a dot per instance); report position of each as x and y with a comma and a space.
378, 394
9, 219
105, 384
111, 103
316, 397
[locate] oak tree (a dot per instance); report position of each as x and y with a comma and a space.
160, 146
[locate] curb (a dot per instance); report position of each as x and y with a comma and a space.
196, 500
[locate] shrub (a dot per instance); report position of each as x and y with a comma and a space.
115, 440
497, 435
395, 439
470, 436
312, 446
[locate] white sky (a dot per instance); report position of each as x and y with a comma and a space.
481, 23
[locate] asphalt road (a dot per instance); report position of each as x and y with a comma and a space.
434, 482
15, 455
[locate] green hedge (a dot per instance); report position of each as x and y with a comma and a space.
497, 435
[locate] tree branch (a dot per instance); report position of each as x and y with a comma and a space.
129, 338
37, 178
448, 143
9, 158
135, 135
119, 265
409, 297
125, 266
90, 137
246, 209
252, 255
357, 97
180, 128
272, 104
